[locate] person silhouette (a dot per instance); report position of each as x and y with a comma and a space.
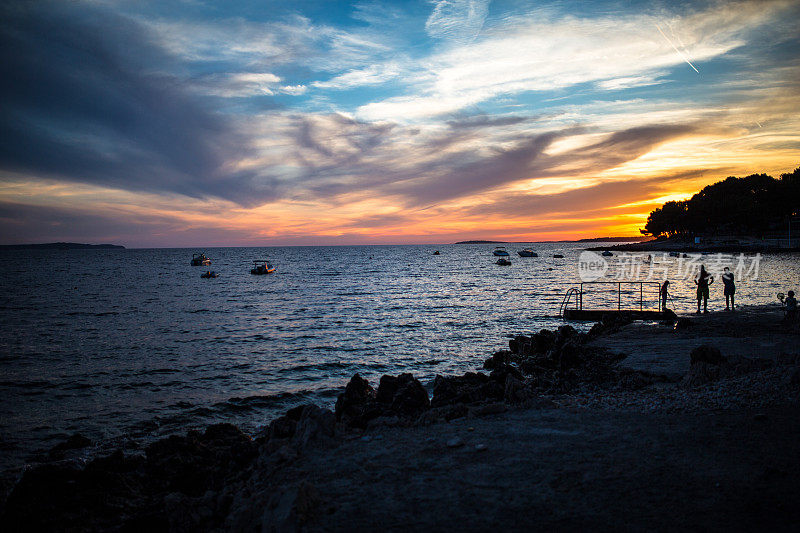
729, 290
790, 304
664, 293
703, 280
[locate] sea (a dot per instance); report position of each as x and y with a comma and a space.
133, 344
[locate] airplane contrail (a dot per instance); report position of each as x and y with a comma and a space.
679, 52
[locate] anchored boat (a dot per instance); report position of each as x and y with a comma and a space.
200, 260
500, 251
261, 267
527, 252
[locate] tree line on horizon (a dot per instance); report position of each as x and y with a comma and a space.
754, 205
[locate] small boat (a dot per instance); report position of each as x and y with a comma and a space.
503, 261
558, 256
436, 252
607, 254
674, 254
262, 266
209, 274
200, 260
527, 252
500, 251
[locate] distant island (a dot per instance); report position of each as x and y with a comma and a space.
60, 246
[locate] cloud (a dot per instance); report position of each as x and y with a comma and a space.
87, 96
544, 51
590, 201
458, 20
372, 75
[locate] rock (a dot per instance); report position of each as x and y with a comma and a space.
307, 504
564, 334
701, 373
569, 355
470, 388
282, 427
186, 514
515, 344
74, 442
514, 389
352, 406
198, 462
706, 354
455, 442
410, 398
316, 427
499, 359
610, 323
542, 342
61, 497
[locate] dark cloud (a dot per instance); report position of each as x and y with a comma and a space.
591, 201
87, 96
483, 121
528, 160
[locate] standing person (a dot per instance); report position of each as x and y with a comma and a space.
664, 294
730, 288
703, 280
791, 308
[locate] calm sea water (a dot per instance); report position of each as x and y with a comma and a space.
133, 342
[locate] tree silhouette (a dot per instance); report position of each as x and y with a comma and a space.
753, 205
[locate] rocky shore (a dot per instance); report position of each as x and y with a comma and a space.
563, 430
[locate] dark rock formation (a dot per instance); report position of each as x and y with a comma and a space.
134, 493
472, 387
402, 396
610, 323
353, 406
706, 354
707, 364
74, 442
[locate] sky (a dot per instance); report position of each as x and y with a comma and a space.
258, 123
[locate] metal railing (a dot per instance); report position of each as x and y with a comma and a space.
579, 292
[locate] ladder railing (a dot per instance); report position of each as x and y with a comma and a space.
579, 291
567, 297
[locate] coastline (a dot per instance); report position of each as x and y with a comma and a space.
683, 246
628, 426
